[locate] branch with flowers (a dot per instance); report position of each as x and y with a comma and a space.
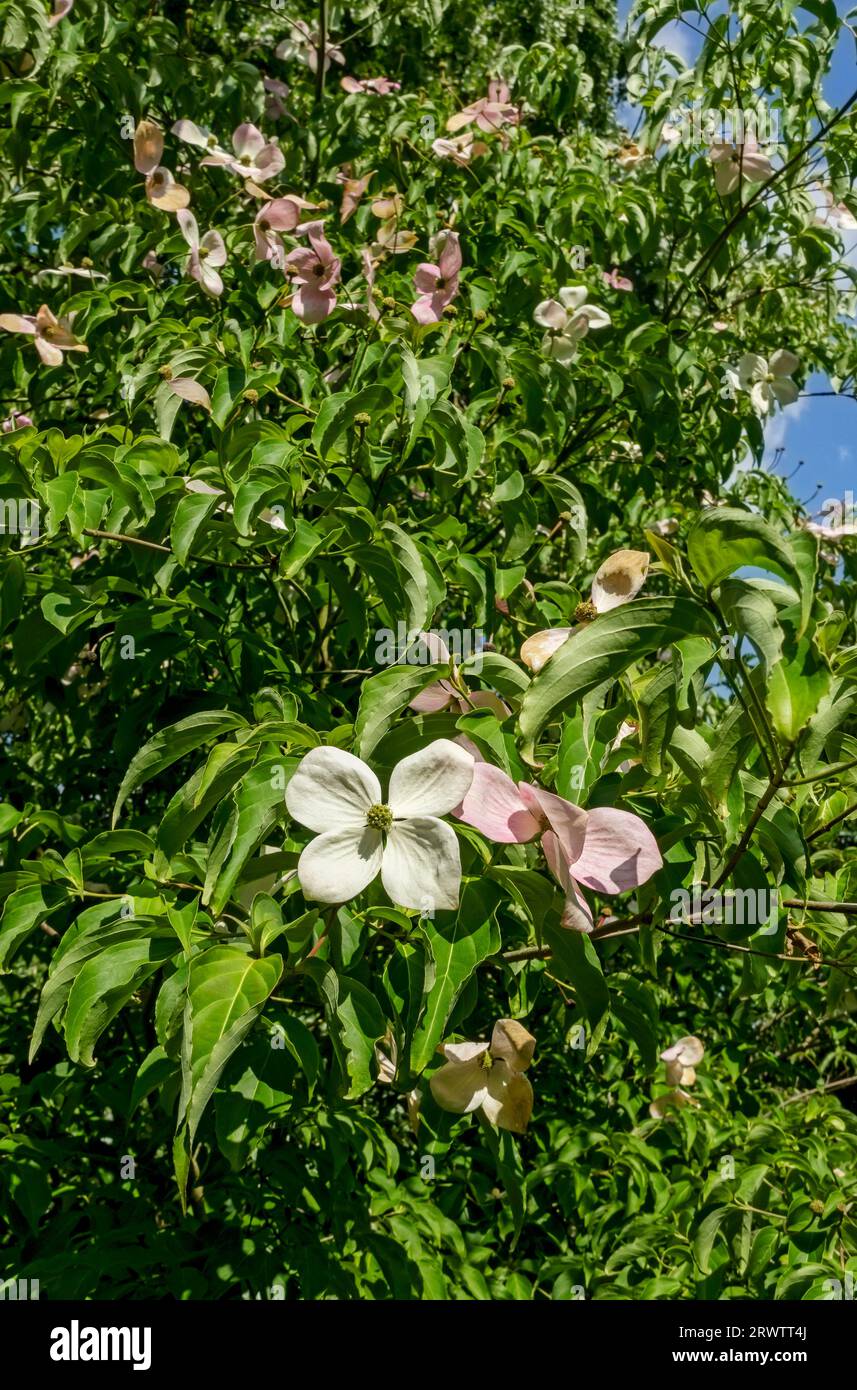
392, 545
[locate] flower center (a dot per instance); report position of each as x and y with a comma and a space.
212, 142
486, 1061
379, 817
441, 283
245, 160
318, 270
585, 612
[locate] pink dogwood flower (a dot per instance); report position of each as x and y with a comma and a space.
437, 284
381, 86
604, 850
617, 581
443, 693
275, 101
568, 320
391, 238
60, 10
151, 263
15, 421
490, 113
254, 157
616, 281
52, 336
162, 190
352, 191
280, 215
836, 214
206, 254
317, 269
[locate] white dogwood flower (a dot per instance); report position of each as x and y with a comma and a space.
732, 163
769, 382
568, 319
680, 1062
361, 835
489, 1077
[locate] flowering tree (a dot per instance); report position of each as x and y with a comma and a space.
411, 676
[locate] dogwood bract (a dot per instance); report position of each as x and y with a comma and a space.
732, 163
568, 320
381, 86
254, 157
680, 1062
605, 850
437, 285
361, 835
459, 148
51, 336
162, 190
489, 1077
280, 215
769, 382
317, 270
443, 693
206, 253
617, 581
306, 44
489, 113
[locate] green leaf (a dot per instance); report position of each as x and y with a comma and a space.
456, 948
11, 592
171, 744
795, 687
258, 1096
386, 695
227, 990
240, 823
103, 986
749, 612
336, 416
575, 959
23, 912
602, 650
225, 765
706, 1234
189, 515
725, 539
413, 577
95, 931
355, 1021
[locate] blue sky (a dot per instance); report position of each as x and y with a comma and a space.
818, 432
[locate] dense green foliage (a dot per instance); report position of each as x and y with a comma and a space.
191, 1049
